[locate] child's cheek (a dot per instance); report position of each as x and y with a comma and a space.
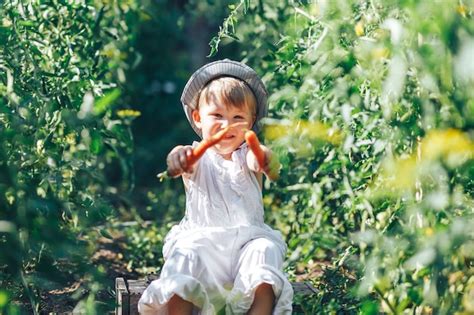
209, 121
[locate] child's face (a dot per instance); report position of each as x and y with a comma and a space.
214, 116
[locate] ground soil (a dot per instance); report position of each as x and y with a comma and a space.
62, 301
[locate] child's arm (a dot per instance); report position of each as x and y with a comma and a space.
260, 158
182, 158
252, 161
178, 160
253, 165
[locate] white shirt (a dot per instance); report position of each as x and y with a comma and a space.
222, 193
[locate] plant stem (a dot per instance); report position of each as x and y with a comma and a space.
33, 303
380, 293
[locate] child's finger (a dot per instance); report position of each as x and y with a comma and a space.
169, 161
241, 125
172, 166
266, 168
182, 159
189, 151
176, 168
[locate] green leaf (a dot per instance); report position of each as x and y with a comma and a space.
415, 296
106, 234
4, 297
246, 6
232, 36
214, 43
106, 102
370, 308
26, 23
96, 144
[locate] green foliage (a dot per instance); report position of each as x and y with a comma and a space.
143, 251
371, 105
372, 116
62, 67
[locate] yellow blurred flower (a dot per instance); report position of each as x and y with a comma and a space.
399, 173
359, 28
380, 53
70, 139
461, 10
429, 231
127, 113
312, 130
450, 144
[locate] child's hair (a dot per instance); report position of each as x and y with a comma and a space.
230, 91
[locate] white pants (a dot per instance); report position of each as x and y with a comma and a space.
220, 271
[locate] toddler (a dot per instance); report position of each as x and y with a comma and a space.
222, 257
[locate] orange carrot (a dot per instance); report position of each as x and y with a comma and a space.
201, 148
205, 144
254, 145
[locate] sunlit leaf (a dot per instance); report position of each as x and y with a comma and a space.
105, 102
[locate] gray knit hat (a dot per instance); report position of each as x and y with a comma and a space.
223, 68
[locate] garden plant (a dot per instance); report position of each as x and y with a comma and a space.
371, 115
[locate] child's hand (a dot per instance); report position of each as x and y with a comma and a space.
260, 158
177, 160
270, 165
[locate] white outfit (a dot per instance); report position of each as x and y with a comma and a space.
222, 250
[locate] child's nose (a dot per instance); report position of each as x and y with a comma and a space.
224, 123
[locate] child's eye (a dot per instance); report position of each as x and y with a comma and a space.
216, 115
238, 117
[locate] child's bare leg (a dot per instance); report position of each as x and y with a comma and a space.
178, 306
263, 301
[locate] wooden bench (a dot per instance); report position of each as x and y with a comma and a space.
128, 293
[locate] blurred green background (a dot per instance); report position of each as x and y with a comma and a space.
371, 115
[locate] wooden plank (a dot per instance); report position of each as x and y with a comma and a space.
135, 289
303, 288
151, 277
122, 297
